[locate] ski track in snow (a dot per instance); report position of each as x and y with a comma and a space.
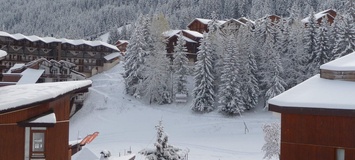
125, 122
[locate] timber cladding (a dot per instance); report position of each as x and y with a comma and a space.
198, 26
12, 134
337, 75
313, 137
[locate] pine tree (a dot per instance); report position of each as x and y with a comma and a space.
133, 66
204, 94
322, 50
163, 151
269, 48
263, 48
157, 82
248, 70
292, 56
311, 44
277, 83
114, 36
214, 34
250, 87
157, 88
180, 67
230, 98
345, 42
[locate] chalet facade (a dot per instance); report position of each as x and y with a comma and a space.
329, 15
318, 115
192, 39
34, 120
88, 56
231, 26
122, 45
3, 54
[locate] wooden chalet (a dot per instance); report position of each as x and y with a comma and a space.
201, 25
192, 39
122, 45
318, 115
88, 56
329, 15
232, 26
34, 120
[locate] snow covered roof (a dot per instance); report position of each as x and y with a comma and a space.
49, 118
188, 39
19, 95
233, 20
194, 33
34, 38
245, 20
123, 41
16, 66
205, 21
112, 56
317, 15
3, 53
345, 63
171, 33
30, 76
317, 92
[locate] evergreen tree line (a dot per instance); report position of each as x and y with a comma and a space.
235, 71
88, 19
256, 64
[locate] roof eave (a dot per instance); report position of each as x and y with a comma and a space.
78, 90
312, 111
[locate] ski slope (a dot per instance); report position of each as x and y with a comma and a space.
126, 123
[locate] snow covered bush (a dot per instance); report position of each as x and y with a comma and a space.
272, 134
163, 150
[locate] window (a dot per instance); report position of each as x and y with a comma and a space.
38, 142
340, 154
35, 142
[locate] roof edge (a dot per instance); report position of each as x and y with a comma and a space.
78, 90
312, 111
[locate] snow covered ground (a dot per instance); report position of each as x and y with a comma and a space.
124, 123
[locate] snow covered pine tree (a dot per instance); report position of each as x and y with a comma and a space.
204, 95
163, 150
180, 66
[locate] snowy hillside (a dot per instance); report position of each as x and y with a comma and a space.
124, 122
